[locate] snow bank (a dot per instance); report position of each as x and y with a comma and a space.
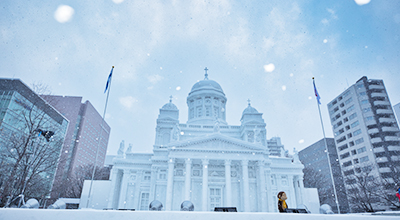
88, 214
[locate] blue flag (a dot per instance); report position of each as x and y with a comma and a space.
109, 79
316, 93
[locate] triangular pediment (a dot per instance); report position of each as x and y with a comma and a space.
215, 142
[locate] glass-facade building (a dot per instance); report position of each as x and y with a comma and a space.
22, 112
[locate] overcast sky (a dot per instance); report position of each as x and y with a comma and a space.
265, 51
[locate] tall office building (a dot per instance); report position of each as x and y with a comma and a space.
317, 170
366, 134
81, 142
32, 152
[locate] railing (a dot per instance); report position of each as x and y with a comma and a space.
378, 94
379, 150
373, 131
384, 111
389, 120
376, 140
390, 129
381, 103
376, 87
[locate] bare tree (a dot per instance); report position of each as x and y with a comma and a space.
72, 188
30, 153
362, 190
40, 88
315, 179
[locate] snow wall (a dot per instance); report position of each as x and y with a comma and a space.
89, 214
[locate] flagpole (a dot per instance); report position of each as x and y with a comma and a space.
326, 147
99, 136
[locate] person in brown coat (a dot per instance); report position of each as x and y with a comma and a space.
281, 202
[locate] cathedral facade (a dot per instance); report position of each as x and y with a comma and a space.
206, 161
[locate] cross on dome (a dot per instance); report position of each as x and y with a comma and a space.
170, 98
206, 74
248, 100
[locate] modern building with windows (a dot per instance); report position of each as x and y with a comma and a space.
207, 161
82, 138
22, 112
366, 132
316, 167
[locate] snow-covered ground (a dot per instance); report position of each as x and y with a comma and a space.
90, 214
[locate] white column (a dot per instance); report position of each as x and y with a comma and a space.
188, 174
113, 176
270, 207
136, 202
228, 183
205, 185
292, 192
302, 189
153, 179
124, 187
170, 184
263, 193
246, 200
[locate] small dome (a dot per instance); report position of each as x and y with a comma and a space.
206, 84
249, 110
169, 106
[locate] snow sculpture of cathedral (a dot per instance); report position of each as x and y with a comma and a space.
206, 161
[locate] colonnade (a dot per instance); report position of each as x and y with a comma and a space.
264, 194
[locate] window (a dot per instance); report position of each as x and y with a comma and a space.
365, 110
356, 123
208, 110
273, 179
147, 176
348, 172
144, 201
216, 112
364, 159
162, 175
350, 108
356, 162
357, 132
199, 111
348, 163
215, 198
369, 118
345, 120
359, 141
336, 109
346, 93
360, 86
353, 152
361, 150
343, 147
349, 135
362, 93
365, 101
345, 155
367, 168
284, 180
348, 100
341, 139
